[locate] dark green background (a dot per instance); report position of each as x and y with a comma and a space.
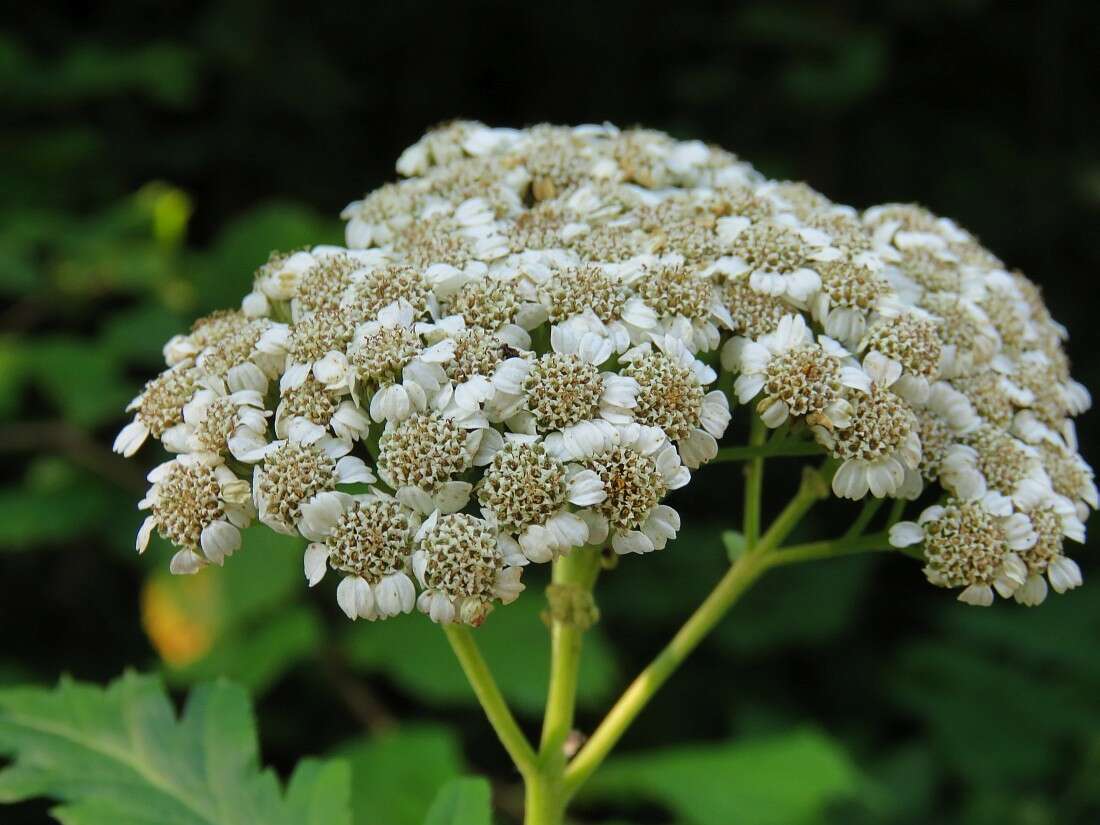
153, 153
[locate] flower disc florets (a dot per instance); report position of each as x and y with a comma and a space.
292, 474
424, 451
562, 390
372, 539
523, 485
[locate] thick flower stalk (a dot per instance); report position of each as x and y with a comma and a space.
517, 356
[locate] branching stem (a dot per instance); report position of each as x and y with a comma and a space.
492, 701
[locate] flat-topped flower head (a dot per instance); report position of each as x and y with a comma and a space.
681, 226
376, 289
589, 289
635, 473
219, 425
969, 341
562, 390
205, 331
850, 292
422, 458
518, 352
752, 314
309, 411
565, 387
672, 395
477, 353
943, 422
913, 343
1008, 465
381, 352
780, 259
1070, 476
689, 305
236, 359
324, 284
493, 306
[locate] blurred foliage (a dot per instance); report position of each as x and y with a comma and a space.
152, 156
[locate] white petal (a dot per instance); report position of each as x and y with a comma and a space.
597, 526
906, 534
452, 496
145, 532
186, 562
698, 448
1064, 574
1033, 592
631, 541
352, 470
218, 540
978, 595
491, 443
320, 514
130, 439
775, 414
586, 489
315, 562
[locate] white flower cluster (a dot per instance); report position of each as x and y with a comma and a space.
516, 354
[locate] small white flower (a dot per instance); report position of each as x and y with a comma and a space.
778, 365
636, 473
199, 505
880, 446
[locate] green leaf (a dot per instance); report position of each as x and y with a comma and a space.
779, 780
119, 756
463, 801
396, 774
514, 641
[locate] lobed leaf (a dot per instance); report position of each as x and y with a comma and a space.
120, 756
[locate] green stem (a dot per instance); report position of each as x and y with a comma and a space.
742, 574
814, 486
870, 507
571, 612
829, 549
574, 575
544, 802
754, 483
492, 701
772, 449
896, 511
747, 568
